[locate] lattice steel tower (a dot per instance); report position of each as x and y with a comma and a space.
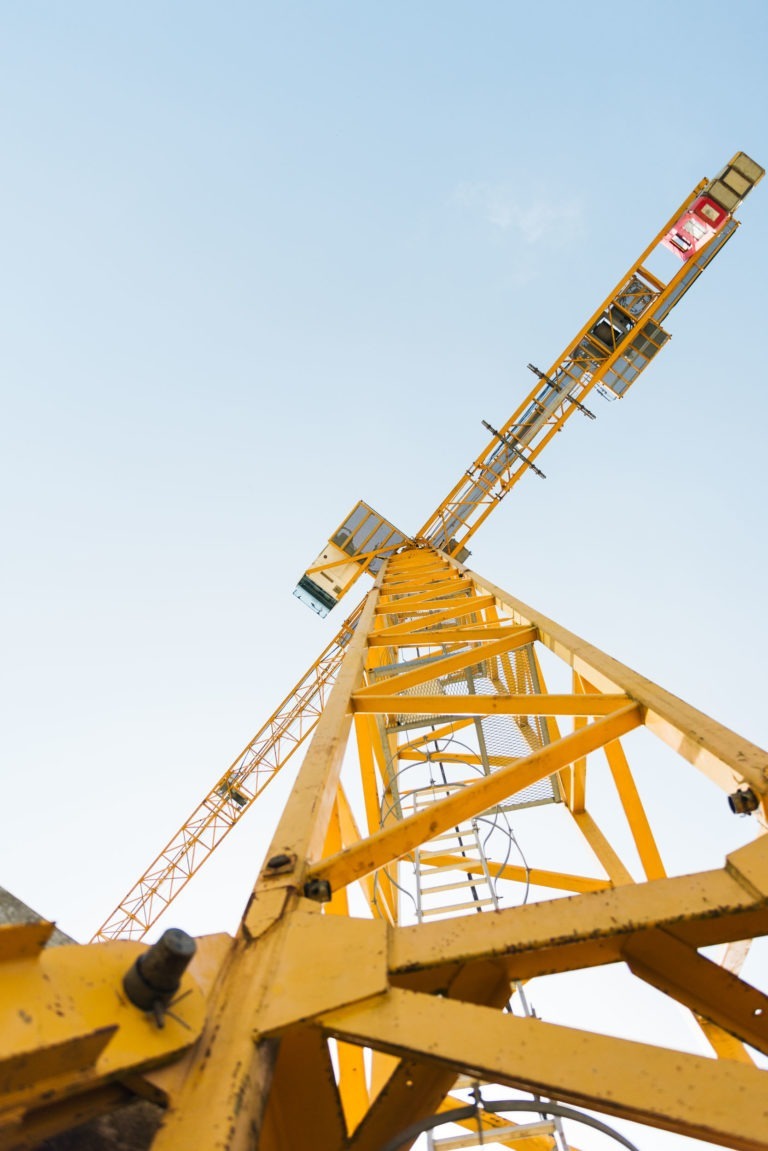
377, 986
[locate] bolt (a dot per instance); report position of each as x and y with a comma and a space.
155, 977
318, 889
278, 861
743, 802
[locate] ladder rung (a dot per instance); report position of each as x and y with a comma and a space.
493, 1134
425, 806
473, 865
421, 794
459, 852
458, 907
462, 833
454, 886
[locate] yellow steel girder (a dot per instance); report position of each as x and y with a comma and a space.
409, 1007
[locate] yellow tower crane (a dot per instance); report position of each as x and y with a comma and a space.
376, 989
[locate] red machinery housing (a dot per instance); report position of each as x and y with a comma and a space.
695, 228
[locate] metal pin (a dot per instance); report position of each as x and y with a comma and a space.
507, 441
585, 411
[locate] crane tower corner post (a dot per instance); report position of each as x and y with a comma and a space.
362, 982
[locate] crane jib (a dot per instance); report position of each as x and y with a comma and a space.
609, 353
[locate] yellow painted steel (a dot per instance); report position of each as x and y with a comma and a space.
592, 929
722, 755
71, 1043
537, 876
569, 381
231, 796
603, 850
642, 834
360, 969
341, 1013
689, 1094
392, 844
287, 729
376, 1017
502, 704
495, 1126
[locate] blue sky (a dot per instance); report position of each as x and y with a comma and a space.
262, 260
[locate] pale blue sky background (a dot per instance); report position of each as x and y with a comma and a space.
262, 260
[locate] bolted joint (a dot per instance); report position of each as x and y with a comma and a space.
279, 864
743, 802
155, 977
318, 889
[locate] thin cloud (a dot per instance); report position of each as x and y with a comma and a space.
538, 219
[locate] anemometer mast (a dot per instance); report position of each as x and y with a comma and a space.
364, 1001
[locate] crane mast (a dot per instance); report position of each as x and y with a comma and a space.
612, 348
363, 1001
